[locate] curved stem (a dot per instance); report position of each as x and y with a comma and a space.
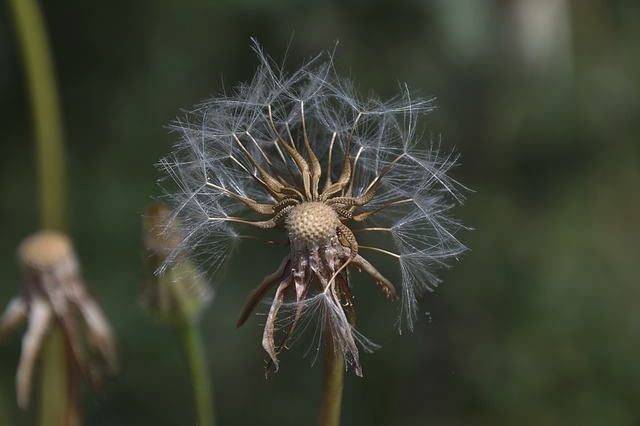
197, 363
41, 82
59, 398
332, 382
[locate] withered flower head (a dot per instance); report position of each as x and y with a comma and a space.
302, 154
53, 292
180, 294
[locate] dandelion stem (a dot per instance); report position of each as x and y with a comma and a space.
199, 372
41, 82
178, 296
59, 398
58, 408
332, 381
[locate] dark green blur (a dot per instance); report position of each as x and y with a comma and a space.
538, 324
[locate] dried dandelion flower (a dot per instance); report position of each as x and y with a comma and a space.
181, 294
178, 297
53, 291
302, 154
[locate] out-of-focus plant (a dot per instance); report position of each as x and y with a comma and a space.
177, 297
53, 292
53, 295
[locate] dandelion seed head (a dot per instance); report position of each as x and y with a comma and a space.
302, 155
53, 292
311, 223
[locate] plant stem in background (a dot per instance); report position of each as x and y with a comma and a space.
332, 377
41, 82
177, 296
197, 363
59, 405
57, 409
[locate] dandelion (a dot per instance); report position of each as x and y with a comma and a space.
304, 155
178, 298
54, 292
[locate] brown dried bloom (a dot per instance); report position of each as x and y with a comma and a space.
181, 294
53, 291
302, 154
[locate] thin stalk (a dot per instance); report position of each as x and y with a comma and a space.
332, 382
199, 372
57, 407
41, 82
58, 394
178, 297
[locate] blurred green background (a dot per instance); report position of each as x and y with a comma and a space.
540, 321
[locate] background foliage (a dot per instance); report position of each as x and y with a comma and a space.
539, 324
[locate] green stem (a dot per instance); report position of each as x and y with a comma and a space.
41, 81
58, 394
332, 382
197, 363
57, 407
